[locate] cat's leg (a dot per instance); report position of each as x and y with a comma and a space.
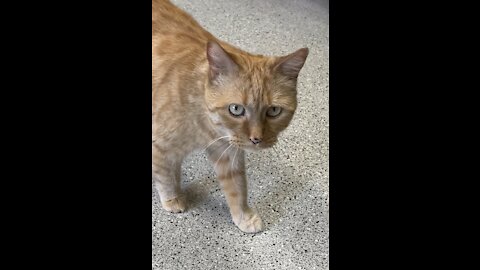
229, 165
166, 171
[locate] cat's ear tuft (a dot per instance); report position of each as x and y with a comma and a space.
220, 63
291, 64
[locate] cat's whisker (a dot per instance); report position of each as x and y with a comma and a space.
234, 179
216, 163
233, 160
275, 150
215, 140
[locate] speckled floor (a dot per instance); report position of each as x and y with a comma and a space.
288, 185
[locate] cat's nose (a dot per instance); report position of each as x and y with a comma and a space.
255, 140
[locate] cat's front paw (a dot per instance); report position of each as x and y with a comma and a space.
249, 221
176, 205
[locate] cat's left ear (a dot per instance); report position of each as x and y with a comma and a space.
291, 64
220, 63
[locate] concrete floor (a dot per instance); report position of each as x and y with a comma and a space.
288, 185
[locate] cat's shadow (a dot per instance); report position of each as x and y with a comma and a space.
197, 192
271, 202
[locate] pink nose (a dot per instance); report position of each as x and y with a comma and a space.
256, 140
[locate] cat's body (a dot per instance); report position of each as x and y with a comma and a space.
210, 95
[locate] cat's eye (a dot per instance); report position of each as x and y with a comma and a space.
236, 110
274, 111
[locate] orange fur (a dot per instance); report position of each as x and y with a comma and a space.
195, 78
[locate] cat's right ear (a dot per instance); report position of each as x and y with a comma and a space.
291, 64
220, 63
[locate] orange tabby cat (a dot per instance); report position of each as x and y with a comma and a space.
210, 95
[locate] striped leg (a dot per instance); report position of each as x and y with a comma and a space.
166, 173
229, 164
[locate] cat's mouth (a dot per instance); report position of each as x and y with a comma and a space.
250, 147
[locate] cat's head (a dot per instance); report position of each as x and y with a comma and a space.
251, 98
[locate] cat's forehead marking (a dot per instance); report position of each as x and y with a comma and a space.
257, 87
